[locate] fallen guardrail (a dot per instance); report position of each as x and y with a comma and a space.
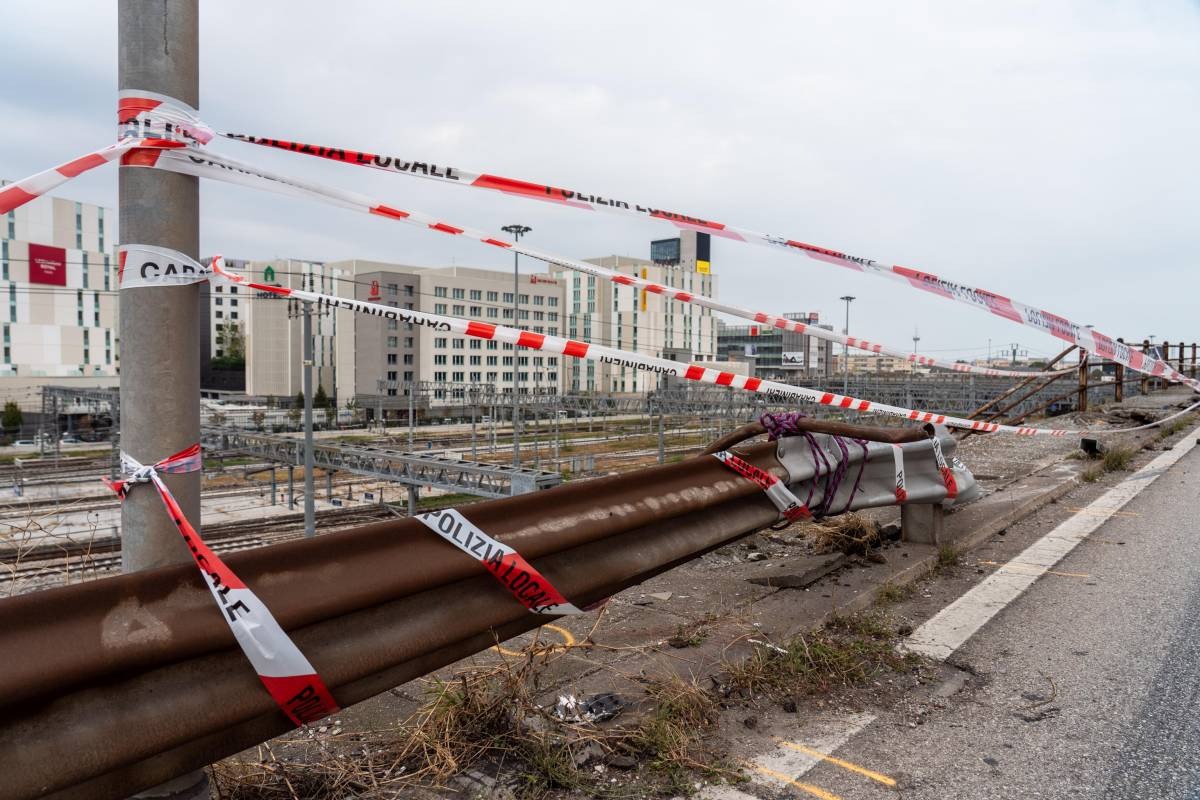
117, 685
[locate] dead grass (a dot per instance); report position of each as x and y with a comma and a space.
891, 593
848, 533
1117, 458
848, 650
948, 556
489, 720
1092, 474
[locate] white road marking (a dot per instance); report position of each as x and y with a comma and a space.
951, 627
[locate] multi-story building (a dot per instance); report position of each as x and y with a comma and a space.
224, 309
487, 295
58, 275
778, 354
632, 319
872, 362
274, 341
371, 349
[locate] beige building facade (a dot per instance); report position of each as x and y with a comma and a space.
632, 319
58, 291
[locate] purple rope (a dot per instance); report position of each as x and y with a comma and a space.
779, 426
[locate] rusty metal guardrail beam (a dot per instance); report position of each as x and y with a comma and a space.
138, 678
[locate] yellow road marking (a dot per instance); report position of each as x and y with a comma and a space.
1103, 512
815, 791
875, 776
1018, 567
568, 641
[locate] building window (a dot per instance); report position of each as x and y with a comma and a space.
440, 341
107, 274
87, 346
233, 301
391, 376
476, 377
78, 226
7, 345
408, 358
458, 294
459, 344
85, 271
439, 376
96, 309
392, 341
476, 294
458, 376
392, 325
492, 360
492, 345
456, 361
393, 289
79, 306
493, 312
12, 302
220, 301
439, 291
439, 360
476, 311
4, 258
234, 315
391, 359
493, 296
101, 221
220, 315
408, 292
539, 300
508, 297
476, 361
459, 310
408, 341
475, 344
439, 308
553, 301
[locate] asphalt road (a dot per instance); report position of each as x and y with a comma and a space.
1087, 686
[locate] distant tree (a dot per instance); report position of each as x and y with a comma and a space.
297, 408
320, 399
217, 418
271, 401
259, 418
12, 418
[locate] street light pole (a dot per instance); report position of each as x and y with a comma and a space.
516, 231
846, 348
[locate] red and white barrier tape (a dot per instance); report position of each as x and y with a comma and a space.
1030, 316
790, 507
671, 293
612, 355
510, 569
901, 489
944, 469
284, 671
142, 265
144, 120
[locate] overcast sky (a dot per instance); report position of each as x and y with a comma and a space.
1043, 150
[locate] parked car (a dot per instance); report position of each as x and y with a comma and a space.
72, 439
24, 443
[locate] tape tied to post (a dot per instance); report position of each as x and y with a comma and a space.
286, 674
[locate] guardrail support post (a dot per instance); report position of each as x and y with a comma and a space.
923, 523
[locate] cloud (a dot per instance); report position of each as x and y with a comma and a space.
1044, 151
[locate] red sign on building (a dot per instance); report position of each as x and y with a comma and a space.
47, 265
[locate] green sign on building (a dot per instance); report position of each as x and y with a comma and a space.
269, 274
